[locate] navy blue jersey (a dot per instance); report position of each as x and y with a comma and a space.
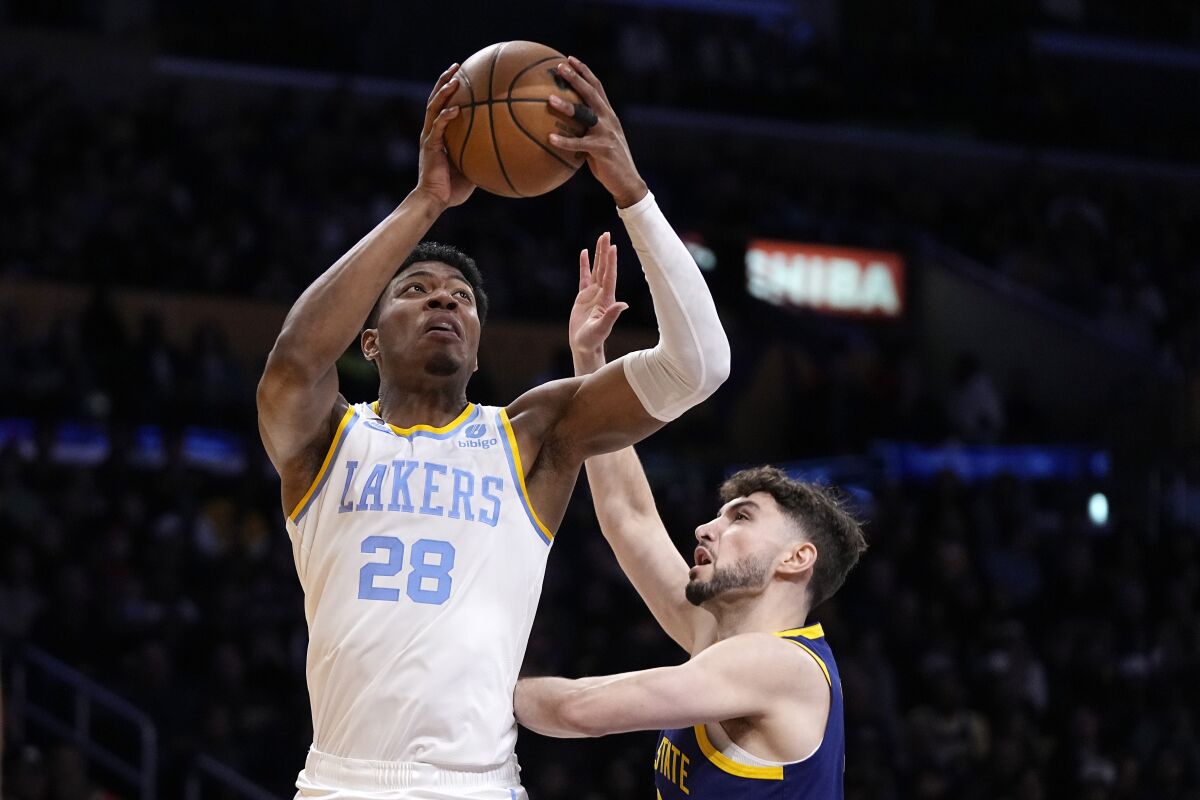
688, 767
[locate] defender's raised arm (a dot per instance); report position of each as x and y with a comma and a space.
621, 494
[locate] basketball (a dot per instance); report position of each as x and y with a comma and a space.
500, 140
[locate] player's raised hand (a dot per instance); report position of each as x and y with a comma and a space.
596, 307
604, 143
435, 174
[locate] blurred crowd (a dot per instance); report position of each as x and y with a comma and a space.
992, 644
975, 68
177, 189
843, 390
87, 367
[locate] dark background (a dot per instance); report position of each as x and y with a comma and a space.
173, 174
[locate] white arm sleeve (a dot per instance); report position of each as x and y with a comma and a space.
691, 358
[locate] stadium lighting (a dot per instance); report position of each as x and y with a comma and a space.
1098, 510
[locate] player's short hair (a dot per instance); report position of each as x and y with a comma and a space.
821, 517
446, 254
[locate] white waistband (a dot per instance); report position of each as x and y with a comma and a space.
361, 774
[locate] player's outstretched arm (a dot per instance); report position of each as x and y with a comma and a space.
745, 676
624, 402
621, 494
298, 400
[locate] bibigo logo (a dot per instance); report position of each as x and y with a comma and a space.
474, 434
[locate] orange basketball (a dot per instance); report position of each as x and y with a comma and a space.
501, 138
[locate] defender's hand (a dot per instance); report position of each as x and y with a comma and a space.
596, 308
436, 175
607, 151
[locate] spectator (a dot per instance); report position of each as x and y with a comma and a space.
975, 407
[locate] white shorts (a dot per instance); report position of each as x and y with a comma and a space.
334, 778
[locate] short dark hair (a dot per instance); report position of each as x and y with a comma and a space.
821, 516
445, 254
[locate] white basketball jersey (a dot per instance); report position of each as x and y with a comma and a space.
422, 561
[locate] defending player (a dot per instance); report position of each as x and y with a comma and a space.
420, 523
757, 711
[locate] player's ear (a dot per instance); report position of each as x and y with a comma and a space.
475, 368
369, 342
800, 558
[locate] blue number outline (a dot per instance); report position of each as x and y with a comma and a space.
422, 569
367, 590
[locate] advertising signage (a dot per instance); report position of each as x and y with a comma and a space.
827, 280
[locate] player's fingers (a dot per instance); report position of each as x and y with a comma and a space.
590, 96
441, 121
600, 276
442, 80
574, 144
598, 265
610, 282
576, 111
446, 114
612, 312
588, 75
437, 103
610, 274
442, 95
585, 270
606, 254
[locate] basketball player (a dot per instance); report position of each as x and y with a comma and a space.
421, 522
757, 710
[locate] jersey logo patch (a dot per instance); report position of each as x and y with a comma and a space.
474, 437
378, 425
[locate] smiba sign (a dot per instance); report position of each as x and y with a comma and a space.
828, 280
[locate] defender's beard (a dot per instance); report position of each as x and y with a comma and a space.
750, 571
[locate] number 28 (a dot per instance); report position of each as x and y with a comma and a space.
422, 569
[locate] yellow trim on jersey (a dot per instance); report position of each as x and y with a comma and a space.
817, 658
811, 632
520, 470
460, 419
333, 446
727, 764
427, 428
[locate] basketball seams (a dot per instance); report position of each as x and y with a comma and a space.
517, 143
477, 103
492, 117
528, 67
462, 151
516, 120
